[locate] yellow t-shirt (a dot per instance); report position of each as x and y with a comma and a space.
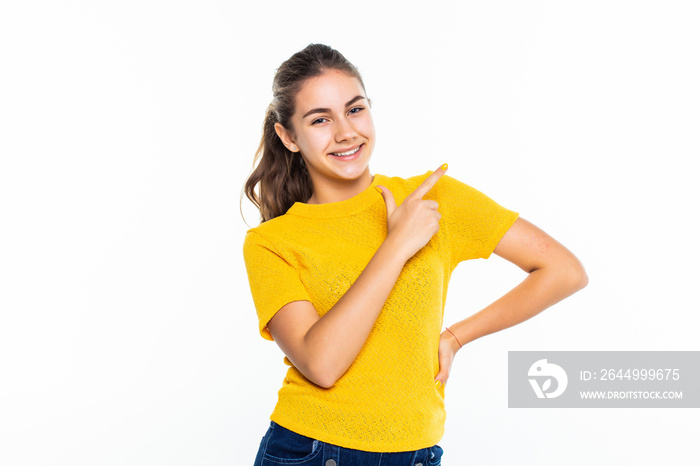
387, 400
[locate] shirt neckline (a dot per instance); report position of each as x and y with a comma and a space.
352, 206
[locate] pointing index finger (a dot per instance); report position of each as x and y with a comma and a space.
430, 181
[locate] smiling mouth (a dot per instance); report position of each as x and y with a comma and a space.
345, 154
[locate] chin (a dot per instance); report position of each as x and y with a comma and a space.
353, 173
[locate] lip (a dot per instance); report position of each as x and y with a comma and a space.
346, 150
346, 158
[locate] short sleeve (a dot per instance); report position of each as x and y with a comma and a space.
274, 281
474, 222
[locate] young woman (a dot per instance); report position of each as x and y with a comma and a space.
349, 275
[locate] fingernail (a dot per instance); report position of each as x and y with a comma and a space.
444, 167
379, 189
437, 383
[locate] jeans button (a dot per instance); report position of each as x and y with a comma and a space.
419, 464
330, 462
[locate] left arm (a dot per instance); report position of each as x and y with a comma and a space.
553, 274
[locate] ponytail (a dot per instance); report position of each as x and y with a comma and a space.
281, 173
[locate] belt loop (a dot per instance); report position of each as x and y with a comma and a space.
331, 452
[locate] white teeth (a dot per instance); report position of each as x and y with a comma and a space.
343, 154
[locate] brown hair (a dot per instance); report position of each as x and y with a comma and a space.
282, 175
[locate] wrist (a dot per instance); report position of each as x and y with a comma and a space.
455, 343
395, 250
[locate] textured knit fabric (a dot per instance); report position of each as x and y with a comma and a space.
387, 400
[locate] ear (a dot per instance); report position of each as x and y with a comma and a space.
286, 137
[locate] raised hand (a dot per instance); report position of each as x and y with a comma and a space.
411, 225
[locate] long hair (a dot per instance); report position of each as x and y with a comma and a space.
281, 176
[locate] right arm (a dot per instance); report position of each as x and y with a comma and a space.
323, 348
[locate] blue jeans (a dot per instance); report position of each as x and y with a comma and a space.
281, 446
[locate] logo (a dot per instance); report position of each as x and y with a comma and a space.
546, 371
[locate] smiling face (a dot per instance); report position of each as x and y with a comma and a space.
332, 127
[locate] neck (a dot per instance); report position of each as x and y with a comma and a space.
340, 190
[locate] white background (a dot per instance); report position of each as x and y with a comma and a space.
127, 331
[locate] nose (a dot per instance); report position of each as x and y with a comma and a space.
344, 130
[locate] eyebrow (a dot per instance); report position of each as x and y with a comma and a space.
327, 110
